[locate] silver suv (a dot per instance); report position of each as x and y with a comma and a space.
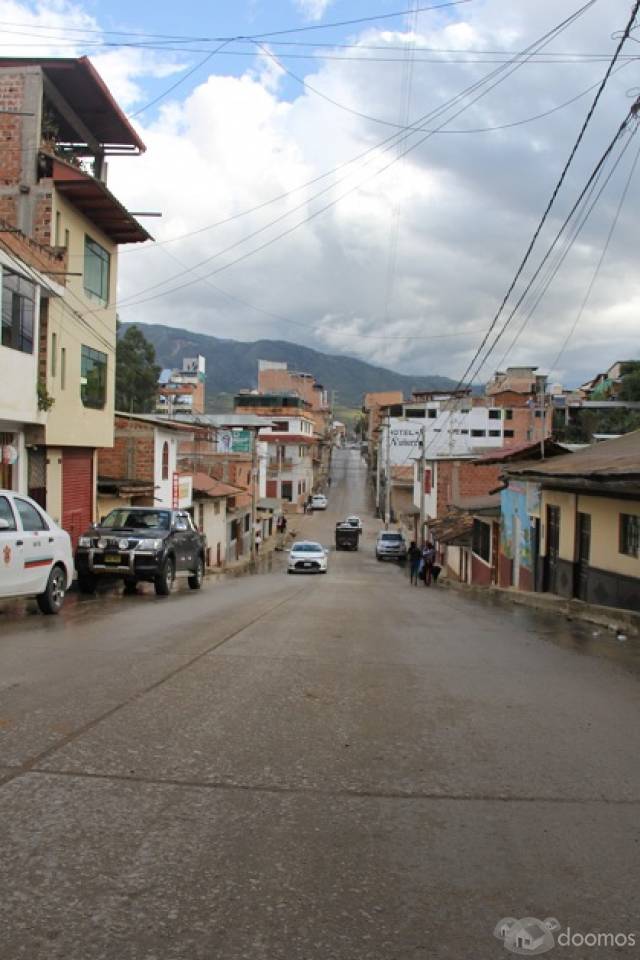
390, 545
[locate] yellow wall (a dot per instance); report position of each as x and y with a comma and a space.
605, 534
69, 422
567, 504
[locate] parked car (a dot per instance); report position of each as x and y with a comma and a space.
319, 502
152, 544
391, 545
36, 559
306, 556
355, 522
347, 536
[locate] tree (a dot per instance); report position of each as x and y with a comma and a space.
630, 389
136, 373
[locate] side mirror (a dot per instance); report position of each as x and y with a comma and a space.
4, 524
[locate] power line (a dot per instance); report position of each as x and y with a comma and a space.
598, 267
178, 83
513, 67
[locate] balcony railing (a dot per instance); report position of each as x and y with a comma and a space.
280, 463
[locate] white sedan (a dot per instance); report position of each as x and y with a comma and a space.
319, 501
35, 553
306, 556
355, 522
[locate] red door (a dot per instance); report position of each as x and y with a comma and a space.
272, 488
77, 491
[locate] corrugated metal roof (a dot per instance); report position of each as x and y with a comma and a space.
608, 459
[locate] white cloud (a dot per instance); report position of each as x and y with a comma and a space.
313, 9
465, 204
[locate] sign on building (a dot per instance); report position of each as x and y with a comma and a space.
234, 441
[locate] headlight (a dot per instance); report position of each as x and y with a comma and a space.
84, 541
123, 544
102, 544
149, 545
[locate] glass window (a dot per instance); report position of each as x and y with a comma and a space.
508, 414
54, 354
494, 414
127, 519
246, 522
165, 460
433, 414
478, 433
494, 433
508, 433
96, 270
63, 368
630, 534
6, 513
30, 517
18, 310
93, 378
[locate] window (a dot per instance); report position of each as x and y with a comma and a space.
58, 231
494, 414
18, 310
31, 519
415, 414
246, 523
433, 414
281, 426
494, 433
54, 354
93, 378
301, 451
478, 433
6, 513
508, 433
63, 368
630, 534
508, 414
464, 433
216, 507
96, 270
66, 239
481, 540
165, 460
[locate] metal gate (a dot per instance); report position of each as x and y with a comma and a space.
77, 491
583, 537
37, 475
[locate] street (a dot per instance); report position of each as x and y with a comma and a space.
341, 767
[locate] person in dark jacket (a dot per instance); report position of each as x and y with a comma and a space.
414, 555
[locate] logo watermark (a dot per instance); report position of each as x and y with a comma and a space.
531, 937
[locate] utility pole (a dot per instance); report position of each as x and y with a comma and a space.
542, 398
387, 476
254, 481
423, 471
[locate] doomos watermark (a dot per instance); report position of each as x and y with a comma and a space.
530, 937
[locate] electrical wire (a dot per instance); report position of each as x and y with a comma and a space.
596, 273
513, 67
179, 82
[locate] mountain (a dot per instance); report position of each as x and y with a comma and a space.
232, 365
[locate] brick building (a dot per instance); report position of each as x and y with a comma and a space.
58, 126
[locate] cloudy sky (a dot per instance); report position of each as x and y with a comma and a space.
296, 205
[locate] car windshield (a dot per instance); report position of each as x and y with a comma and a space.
392, 537
138, 520
306, 548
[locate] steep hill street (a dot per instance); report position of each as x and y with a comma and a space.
342, 767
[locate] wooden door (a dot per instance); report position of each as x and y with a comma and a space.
583, 539
553, 548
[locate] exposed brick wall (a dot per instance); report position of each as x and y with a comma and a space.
11, 98
464, 478
132, 456
43, 217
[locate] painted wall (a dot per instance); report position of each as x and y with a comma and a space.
69, 422
517, 533
605, 534
164, 488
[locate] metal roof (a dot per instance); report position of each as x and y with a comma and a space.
606, 460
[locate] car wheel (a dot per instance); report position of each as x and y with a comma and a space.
51, 600
163, 583
196, 579
86, 583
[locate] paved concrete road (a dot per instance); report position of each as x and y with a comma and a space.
312, 768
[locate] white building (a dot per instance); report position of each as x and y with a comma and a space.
290, 442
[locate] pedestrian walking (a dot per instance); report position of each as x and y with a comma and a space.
428, 557
414, 556
258, 541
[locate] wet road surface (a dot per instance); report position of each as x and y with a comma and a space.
290, 768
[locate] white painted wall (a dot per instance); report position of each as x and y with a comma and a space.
164, 488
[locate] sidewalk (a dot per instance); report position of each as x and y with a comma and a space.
625, 622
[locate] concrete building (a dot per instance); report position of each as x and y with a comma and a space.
183, 391
59, 125
590, 522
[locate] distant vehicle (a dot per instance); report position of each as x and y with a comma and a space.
355, 522
391, 545
347, 536
153, 544
36, 559
319, 502
307, 556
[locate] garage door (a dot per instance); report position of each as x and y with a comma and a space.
77, 491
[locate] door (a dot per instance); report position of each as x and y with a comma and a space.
77, 491
37, 474
583, 538
495, 551
11, 552
553, 548
517, 533
272, 488
38, 546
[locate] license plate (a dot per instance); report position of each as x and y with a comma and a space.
307, 564
112, 558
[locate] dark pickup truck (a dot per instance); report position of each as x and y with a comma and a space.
134, 544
